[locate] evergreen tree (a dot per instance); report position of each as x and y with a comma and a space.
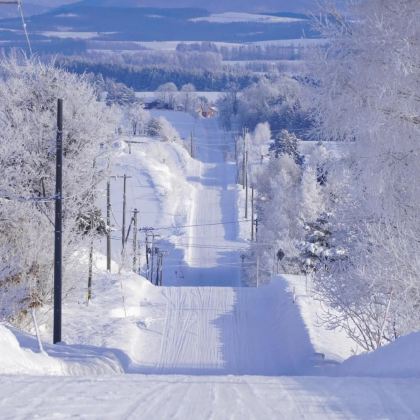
286, 143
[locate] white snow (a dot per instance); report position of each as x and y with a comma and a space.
206, 397
333, 344
399, 359
169, 340
151, 96
71, 34
236, 17
20, 355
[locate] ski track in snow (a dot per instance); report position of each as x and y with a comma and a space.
195, 397
214, 330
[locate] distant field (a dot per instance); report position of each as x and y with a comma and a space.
211, 96
84, 21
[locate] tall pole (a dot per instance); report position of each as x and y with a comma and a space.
147, 255
123, 212
135, 213
256, 229
258, 270
108, 223
252, 213
191, 145
157, 266
243, 162
152, 254
58, 225
246, 184
161, 270
90, 275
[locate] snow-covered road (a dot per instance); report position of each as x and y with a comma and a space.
219, 330
194, 397
211, 244
202, 346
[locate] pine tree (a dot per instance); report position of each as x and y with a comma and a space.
286, 143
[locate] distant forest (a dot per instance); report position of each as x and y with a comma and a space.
149, 78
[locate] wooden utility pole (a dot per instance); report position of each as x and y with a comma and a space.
123, 211
258, 270
153, 252
256, 229
108, 223
157, 252
147, 255
191, 145
243, 163
252, 213
58, 226
246, 184
161, 269
90, 275
135, 221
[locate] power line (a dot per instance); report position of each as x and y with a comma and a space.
198, 225
20, 8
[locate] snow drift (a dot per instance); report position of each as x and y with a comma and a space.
399, 359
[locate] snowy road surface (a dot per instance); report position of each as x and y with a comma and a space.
216, 330
211, 245
202, 397
183, 343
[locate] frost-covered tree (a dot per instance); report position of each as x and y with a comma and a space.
187, 97
279, 227
28, 99
167, 95
162, 129
260, 141
366, 92
276, 101
138, 118
286, 143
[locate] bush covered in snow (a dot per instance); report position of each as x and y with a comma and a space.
28, 102
366, 94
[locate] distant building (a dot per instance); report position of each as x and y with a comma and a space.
207, 111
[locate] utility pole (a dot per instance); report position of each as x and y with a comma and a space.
158, 260
58, 225
124, 177
243, 160
147, 231
252, 213
108, 223
153, 252
246, 184
191, 145
258, 270
135, 213
147, 255
90, 275
161, 269
123, 212
256, 229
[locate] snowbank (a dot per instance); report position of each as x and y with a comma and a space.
400, 359
20, 355
16, 360
333, 344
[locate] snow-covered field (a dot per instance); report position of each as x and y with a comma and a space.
201, 346
234, 17
151, 96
